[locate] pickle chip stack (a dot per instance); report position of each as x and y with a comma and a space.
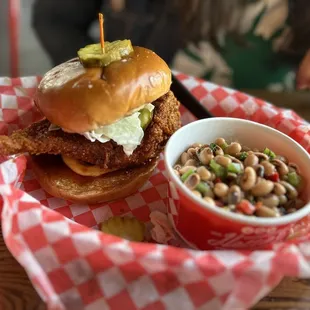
92, 55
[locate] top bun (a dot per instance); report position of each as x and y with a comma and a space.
79, 99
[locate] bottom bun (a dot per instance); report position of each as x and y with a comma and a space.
60, 181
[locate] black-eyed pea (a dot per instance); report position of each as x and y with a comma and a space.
282, 200
231, 177
221, 189
196, 193
205, 156
271, 201
263, 187
196, 145
269, 167
213, 176
234, 195
260, 170
186, 168
279, 189
192, 181
191, 152
184, 158
177, 167
294, 204
248, 179
282, 158
220, 141
234, 159
291, 191
251, 160
293, 168
204, 173
218, 150
233, 148
261, 156
222, 160
264, 211
191, 162
209, 201
280, 166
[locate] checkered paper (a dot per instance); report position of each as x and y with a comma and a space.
73, 266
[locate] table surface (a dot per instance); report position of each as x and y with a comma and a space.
16, 291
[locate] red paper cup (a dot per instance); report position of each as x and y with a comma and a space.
203, 226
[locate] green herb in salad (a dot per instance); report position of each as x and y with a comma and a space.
219, 170
187, 174
294, 179
269, 153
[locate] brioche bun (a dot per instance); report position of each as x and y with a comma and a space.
60, 181
79, 99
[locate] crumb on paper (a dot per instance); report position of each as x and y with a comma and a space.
162, 231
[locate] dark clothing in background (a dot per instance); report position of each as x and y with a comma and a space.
62, 26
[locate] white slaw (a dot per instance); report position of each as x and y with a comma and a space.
126, 132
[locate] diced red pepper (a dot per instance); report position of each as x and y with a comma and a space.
274, 177
246, 207
217, 180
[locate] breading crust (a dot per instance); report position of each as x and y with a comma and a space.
36, 139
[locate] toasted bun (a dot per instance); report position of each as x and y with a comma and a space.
60, 181
79, 99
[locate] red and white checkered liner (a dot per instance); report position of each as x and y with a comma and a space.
73, 266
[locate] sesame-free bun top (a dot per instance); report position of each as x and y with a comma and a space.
79, 99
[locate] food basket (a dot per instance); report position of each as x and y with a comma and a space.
73, 265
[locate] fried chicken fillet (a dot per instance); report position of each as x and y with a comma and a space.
37, 139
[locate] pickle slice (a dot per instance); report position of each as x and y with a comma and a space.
92, 56
145, 117
124, 227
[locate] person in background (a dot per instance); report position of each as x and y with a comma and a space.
64, 26
244, 44
247, 44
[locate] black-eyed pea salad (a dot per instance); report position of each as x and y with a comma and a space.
240, 180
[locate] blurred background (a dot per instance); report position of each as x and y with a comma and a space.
33, 60
44, 33
258, 46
